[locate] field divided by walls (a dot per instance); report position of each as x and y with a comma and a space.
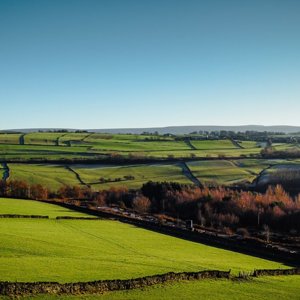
80, 250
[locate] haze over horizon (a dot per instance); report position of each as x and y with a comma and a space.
139, 64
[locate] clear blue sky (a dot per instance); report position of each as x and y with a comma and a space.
140, 63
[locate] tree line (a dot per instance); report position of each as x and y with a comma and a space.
218, 207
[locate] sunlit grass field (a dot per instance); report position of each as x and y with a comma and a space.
12, 138
213, 144
105, 176
31, 207
267, 288
62, 145
91, 174
226, 172
82, 250
50, 176
42, 138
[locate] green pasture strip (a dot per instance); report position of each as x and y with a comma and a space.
73, 138
249, 144
23, 152
9, 138
138, 145
130, 137
284, 146
42, 138
213, 144
91, 174
266, 288
253, 166
30, 207
219, 171
40, 149
50, 176
79, 250
237, 152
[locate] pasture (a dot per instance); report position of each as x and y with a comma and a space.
267, 288
42, 138
50, 176
84, 145
131, 176
225, 172
10, 138
83, 250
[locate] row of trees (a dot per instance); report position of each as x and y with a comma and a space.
215, 207
220, 207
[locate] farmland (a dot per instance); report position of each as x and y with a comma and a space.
104, 176
56, 159
285, 288
80, 250
104, 249
55, 146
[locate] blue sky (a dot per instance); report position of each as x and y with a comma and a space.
138, 63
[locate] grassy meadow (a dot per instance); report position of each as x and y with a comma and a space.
83, 250
50, 176
70, 145
104, 176
91, 174
267, 288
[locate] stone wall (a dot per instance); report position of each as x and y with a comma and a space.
97, 287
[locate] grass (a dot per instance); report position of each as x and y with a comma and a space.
248, 144
227, 172
267, 288
213, 144
11, 138
224, 172
138, 145
42, 138
220, 172
31, 207
79, 250
50, 176
142, 173
53, 145
54, 176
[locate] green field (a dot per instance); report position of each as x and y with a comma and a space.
62, 148
54, 176
82, 250
11, 138
56, 146
222, 172
91, 174
267, 288
249, 144
50, 176
213, 145
30, 207
226, 172
42, 138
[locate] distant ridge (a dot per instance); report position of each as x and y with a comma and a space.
175, 129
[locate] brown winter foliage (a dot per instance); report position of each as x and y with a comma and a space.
214, 207
220, 207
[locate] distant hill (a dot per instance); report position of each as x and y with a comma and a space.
175, 129
189, 129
